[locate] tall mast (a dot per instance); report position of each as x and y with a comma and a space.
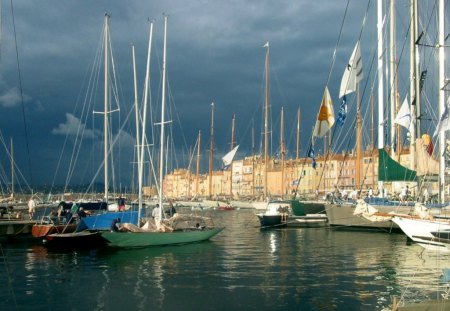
372, 140
393, 80
298, 135
380, 78
266, 122
198, 163
211, 150
412, 88
143, 138
282, 152
358, 138
253, 159
163, 108
441, 99
231, 148
105, 120
136, 110
232, 131
12, 168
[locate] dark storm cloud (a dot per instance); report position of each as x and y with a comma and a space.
215, 54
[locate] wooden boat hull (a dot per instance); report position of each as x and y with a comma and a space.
42, 230
146, 239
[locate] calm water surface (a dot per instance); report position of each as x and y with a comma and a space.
243, 268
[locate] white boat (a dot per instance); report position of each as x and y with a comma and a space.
420, 231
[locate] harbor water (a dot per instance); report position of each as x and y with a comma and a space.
242, 268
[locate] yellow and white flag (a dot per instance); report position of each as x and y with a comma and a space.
325, 118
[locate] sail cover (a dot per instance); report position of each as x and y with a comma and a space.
391, 170
228, 158
353, 73
325, 118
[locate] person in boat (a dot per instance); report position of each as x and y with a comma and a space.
156, 213
81, 213
171, 211
121, 204
31, 207
54, 216
370, 193
69, 216
426, 196
115, 225
404, 194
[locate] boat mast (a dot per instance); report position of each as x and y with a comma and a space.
372, 140
358, 139
298, 135
380, 79
136, 110
413, 95
144, 116
163, 108
266, 123
231, 148
441, 99
198, 163
12, 169
105, 121
253, 159
282, 153
395, 129
211, 150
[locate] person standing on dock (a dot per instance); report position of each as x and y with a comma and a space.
31, 208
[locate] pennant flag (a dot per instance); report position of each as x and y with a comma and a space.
353, 73
312, 155
444, 122
228, 158
342, 114
266, 45
325, 118
404, 117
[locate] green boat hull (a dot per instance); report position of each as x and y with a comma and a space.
146, 239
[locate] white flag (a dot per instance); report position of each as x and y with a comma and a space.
444, 122
353, 73
325, 118
228, 158
404, 117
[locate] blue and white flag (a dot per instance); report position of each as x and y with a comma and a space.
342, 114
312, 155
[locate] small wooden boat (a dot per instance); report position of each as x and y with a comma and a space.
48, 226
226, 208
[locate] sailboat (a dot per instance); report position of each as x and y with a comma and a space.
102, 220
176, 230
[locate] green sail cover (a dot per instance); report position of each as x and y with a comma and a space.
391, 170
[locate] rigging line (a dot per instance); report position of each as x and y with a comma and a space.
337, 43
21, 96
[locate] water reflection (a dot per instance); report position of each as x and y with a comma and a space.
241, 268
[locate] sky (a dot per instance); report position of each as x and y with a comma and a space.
215, 54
